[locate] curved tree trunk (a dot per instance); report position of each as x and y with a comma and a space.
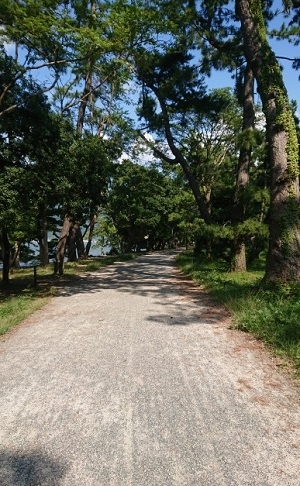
179, 158
200, 200
61, 246
283, 260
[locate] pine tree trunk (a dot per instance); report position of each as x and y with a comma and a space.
15, 256
75, 243
200, 200
91, 232
239, 262
283, 260
61, 246
86, 96
71, 244
179, 158
88, 84
79, 241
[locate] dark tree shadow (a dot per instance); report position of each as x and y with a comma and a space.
156, 275
32, 469
151, 274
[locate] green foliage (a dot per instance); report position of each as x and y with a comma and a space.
164, 47
210, 146
168, 77
85, 165
107, 234
16, 309
144, 206
28, 136
271, 314
217, 241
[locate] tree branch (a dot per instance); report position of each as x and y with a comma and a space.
156, 150
32, 95
287, 58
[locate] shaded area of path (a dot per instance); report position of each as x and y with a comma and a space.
131, 377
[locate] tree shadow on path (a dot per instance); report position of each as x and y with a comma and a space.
30, 469
154, 274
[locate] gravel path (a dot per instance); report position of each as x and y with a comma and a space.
131, 377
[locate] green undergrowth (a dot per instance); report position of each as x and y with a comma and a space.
22, 297
271, 314
15, 309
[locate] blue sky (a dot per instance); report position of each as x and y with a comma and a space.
281, 48
291, 76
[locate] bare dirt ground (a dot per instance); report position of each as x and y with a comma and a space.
131, 377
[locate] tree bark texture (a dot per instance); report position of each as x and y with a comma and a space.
15, 255
91, 232
71, 245
283, 260
86, 96
239, 263
79, 242
61, 246
75, 243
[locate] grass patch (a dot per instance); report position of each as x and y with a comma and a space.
95, 263
272, 315
15, 309
21, 298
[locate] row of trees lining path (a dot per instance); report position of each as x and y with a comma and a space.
69, 141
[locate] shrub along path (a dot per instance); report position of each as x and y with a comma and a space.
130, 376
